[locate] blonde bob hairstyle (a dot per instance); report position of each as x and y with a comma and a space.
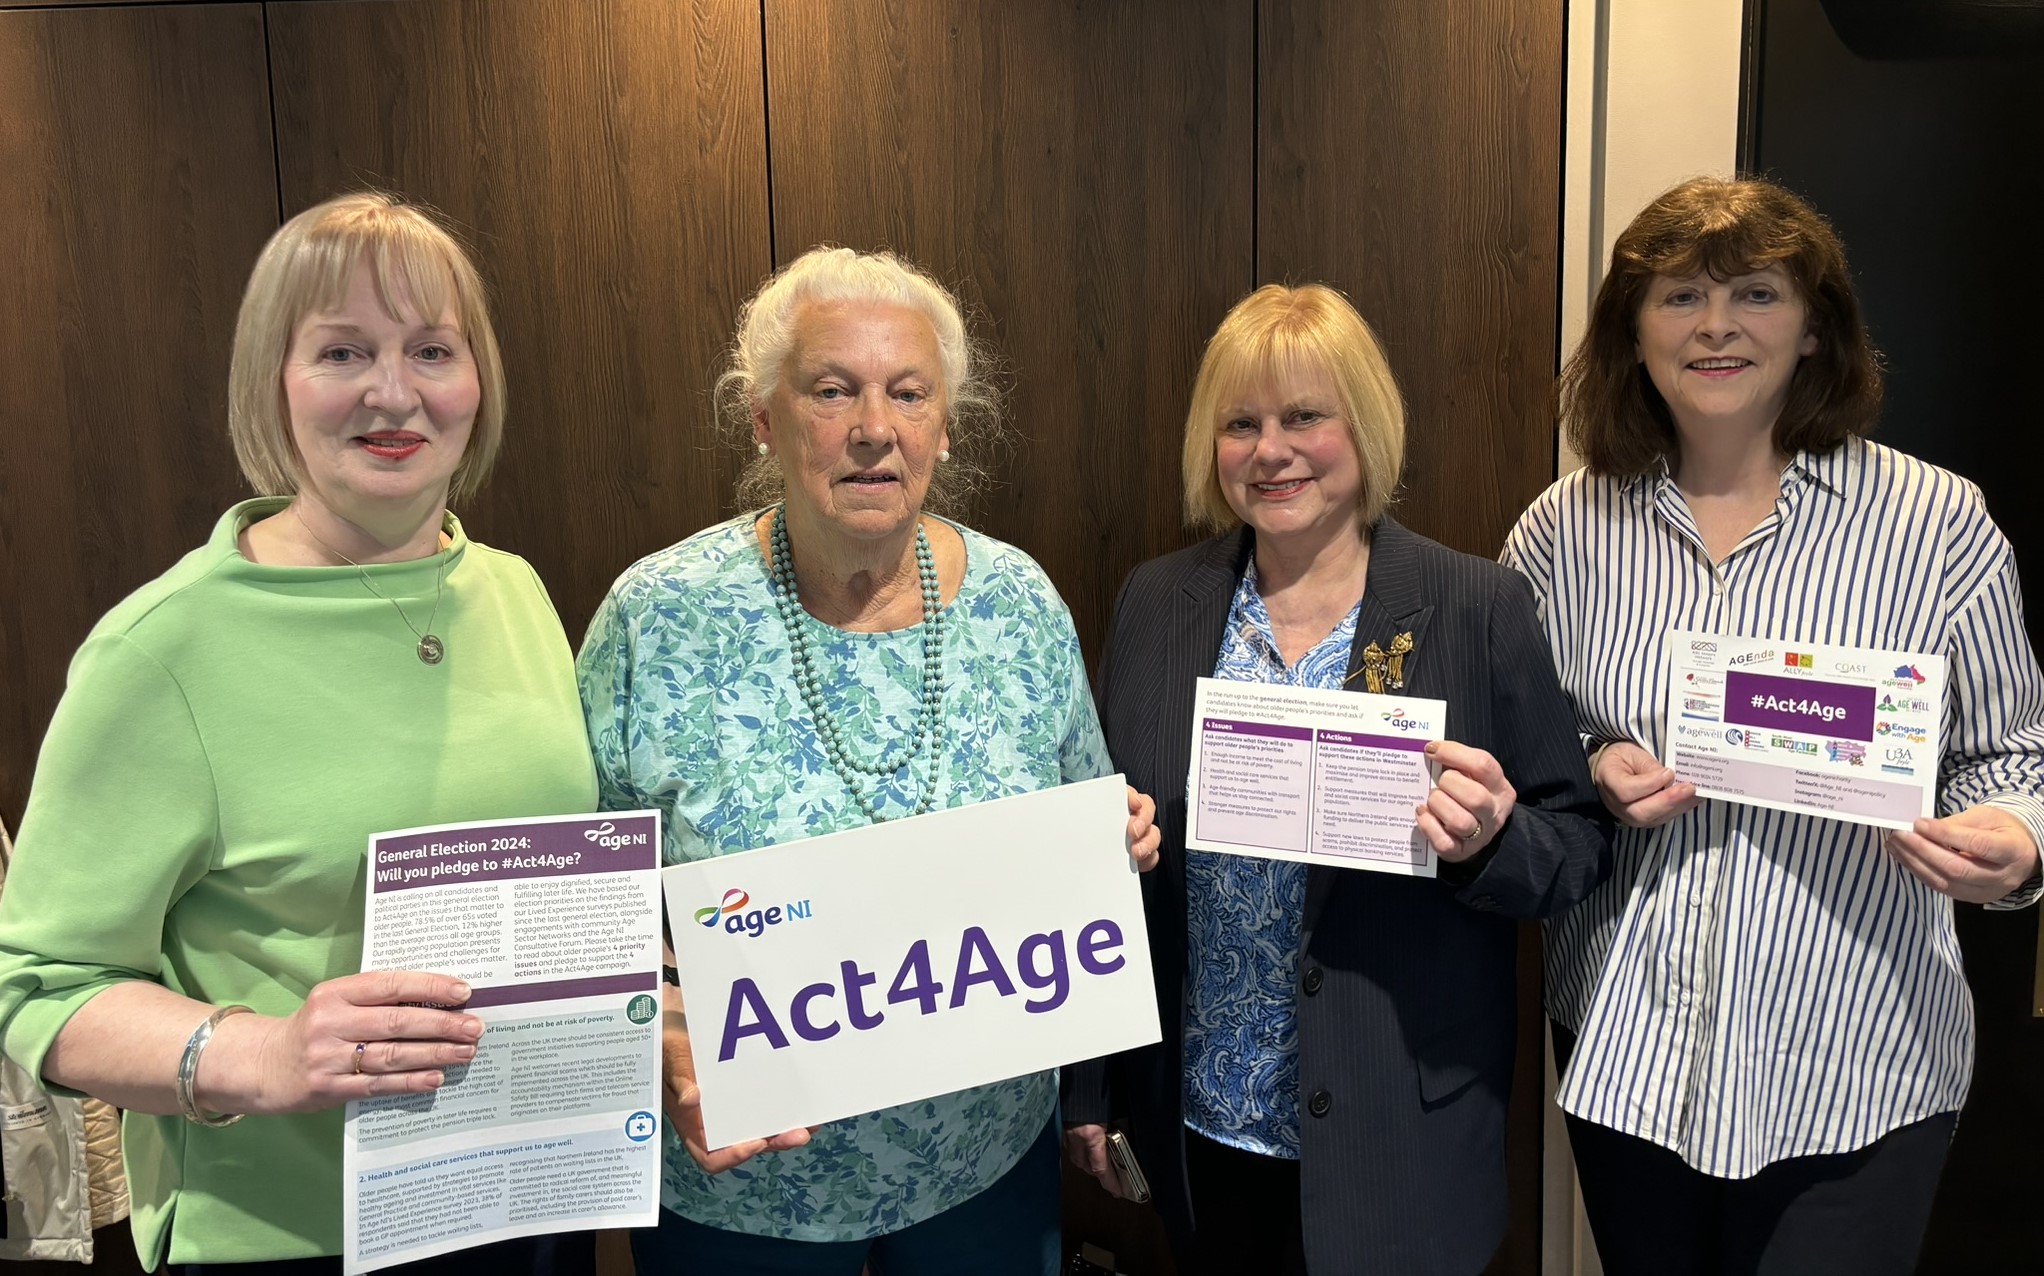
306, 269
1272, 336
769, 331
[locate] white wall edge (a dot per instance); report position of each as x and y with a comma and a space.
1652, 99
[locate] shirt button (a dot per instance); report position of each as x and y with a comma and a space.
1311, 983
1320, 1103
1696, 900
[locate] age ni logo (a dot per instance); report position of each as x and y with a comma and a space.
736, 917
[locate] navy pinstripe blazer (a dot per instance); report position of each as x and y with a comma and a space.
1406, 1001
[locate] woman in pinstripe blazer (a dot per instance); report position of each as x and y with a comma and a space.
1329, 1094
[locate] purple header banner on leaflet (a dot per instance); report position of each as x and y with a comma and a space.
1228, 726
1842, 711
1360, 741
562, 989
501, 851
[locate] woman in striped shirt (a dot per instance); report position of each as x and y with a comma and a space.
1765, 1031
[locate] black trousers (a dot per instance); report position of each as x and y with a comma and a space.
1245, 1213
1859, 1213
567, 1254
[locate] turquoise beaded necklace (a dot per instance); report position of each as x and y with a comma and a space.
927, 740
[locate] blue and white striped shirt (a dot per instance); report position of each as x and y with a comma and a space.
1752, 985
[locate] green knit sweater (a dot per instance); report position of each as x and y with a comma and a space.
228, 738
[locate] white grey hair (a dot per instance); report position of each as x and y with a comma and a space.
765, 345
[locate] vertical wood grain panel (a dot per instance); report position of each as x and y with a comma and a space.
1081, 174
139, 187
610, 162
1410, 154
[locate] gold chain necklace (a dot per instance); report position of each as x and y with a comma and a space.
431, 650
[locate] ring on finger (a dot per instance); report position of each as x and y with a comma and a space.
361, 1048
1476, 832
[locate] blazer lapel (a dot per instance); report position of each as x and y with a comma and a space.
1199, 614
1392, 605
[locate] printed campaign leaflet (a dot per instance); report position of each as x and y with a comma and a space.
555, 924
1843, 732
842, 974
1316, 777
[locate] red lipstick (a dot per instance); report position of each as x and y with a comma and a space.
392, 445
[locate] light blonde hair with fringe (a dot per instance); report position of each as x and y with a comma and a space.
769, 333
1269, 338
307, 268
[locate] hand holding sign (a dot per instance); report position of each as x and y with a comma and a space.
897, 962
1145, 839
682, 1099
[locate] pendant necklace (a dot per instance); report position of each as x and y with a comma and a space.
431, 649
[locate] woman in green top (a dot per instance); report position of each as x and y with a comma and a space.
182, 928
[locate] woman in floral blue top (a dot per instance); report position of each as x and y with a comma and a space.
838, 658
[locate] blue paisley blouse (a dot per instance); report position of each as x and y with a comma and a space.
1244, 921
692, 706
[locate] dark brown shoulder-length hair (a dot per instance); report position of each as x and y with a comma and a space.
1614, 417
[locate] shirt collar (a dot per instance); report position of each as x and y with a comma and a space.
1826, 469
1249, 621
1246, 612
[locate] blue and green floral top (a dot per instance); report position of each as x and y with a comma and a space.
693, 710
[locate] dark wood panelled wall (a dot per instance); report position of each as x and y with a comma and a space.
1099, 179
1083, 172
609, 158
138, 186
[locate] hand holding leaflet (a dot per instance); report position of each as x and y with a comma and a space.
1846, 733
1977, 856
1638, 788
1469, 803
539, 1114
376, 1033
1334, 777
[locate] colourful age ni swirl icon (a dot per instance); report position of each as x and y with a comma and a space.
734, 899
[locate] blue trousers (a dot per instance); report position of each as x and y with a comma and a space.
1011, 1229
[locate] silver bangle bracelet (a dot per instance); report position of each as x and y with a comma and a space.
188, 1070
